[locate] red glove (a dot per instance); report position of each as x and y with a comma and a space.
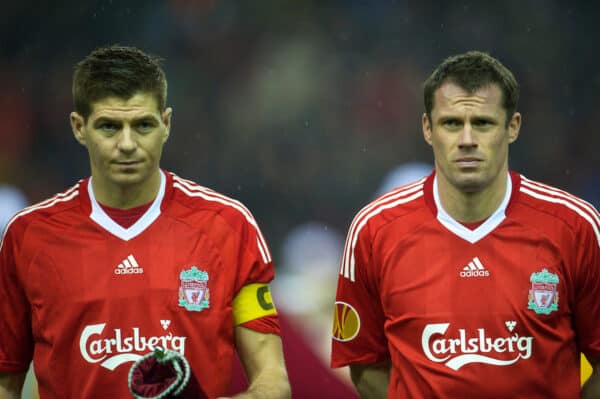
163, 374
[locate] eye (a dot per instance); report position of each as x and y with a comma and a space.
145, 126
108, 127
452, 124
483, 123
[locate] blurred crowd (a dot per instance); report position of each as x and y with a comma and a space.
303, 110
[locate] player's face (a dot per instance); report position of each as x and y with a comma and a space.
470, 137
124, 139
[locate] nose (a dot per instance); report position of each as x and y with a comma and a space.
467, 138
127, 142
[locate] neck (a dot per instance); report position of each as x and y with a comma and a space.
126, 196
471, 206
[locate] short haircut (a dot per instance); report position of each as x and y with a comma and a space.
117, 71
472, 71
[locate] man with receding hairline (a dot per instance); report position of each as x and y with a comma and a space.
475, 281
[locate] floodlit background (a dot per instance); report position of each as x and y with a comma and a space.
303, 110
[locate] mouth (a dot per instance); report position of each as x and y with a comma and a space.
468, 162
126, 163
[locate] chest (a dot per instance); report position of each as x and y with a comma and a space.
170, 265
101, 302
439, 275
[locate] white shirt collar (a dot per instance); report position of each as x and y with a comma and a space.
99, 216
484, 229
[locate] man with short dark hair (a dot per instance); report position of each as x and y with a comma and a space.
133, 258
475, 281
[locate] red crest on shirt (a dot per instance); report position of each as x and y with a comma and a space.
543, 295
193, 291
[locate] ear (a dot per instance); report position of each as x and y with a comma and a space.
514, 127
77, 126
426, 126
166, 120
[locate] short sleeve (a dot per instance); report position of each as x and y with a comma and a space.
358, 331
264, 325
16, 343
587, 291
254, 262
253, 306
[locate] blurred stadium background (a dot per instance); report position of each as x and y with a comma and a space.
300, 109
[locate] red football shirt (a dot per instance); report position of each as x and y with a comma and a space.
495, 312
84, 297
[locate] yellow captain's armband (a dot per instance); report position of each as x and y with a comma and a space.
586, 369
252, 302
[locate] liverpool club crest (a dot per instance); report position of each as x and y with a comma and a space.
543, 295
193, 291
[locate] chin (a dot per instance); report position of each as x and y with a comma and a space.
470, 188
469, 184
127, 178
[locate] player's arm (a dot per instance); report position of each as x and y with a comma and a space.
591, 388
11, 385
358, 336
262, 358
258, 344
16, 343
371, 380
586, 309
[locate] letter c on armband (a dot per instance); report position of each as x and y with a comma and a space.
264, 297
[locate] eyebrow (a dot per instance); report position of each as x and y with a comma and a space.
485, 118
104, 119
140, 118
488, 117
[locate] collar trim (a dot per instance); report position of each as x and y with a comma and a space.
101, 218
485, 228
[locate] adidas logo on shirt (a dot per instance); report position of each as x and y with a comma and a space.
129, 266
474, 269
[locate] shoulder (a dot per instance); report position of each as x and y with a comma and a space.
199, 201
197, 198
401, 202
556, 206
47, 209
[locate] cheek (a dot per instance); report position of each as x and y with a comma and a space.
498, 146
155, 147
440, 147
98, 152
